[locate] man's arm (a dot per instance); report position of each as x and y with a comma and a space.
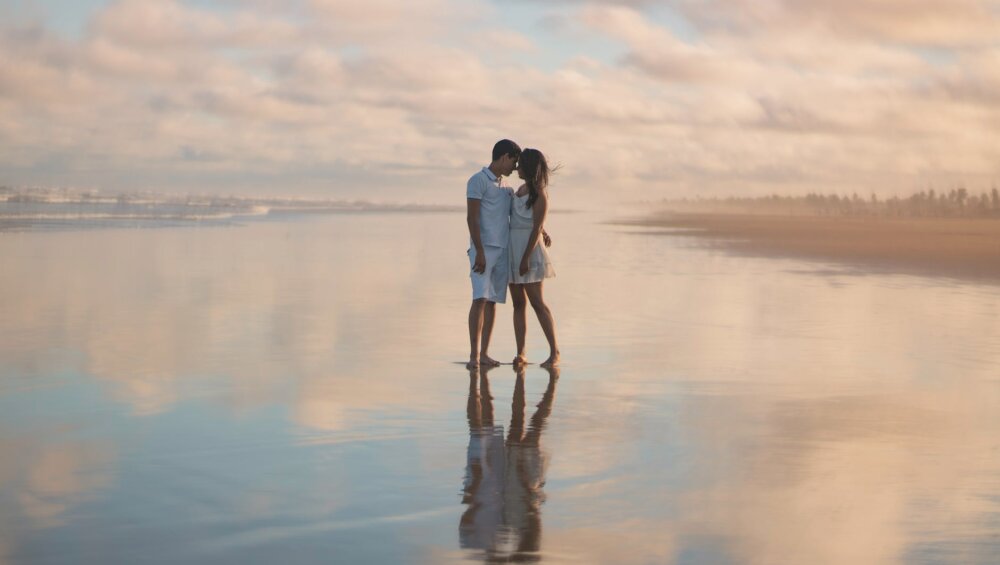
472, 218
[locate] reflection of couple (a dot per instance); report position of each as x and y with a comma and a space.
503, 481
506, 229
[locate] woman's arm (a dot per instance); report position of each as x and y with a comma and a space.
538, 211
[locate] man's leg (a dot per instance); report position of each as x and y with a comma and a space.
489, 312
497, 277
475, 331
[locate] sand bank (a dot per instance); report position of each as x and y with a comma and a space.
964, 247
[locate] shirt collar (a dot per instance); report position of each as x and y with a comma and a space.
489, 174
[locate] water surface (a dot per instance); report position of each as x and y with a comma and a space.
286, 390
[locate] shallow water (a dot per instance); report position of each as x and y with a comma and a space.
288, 390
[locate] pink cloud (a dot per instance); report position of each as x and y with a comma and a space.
327, 86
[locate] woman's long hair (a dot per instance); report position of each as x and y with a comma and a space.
536, 173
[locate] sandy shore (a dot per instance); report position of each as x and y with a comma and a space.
964, 247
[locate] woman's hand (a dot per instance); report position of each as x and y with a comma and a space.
524, 266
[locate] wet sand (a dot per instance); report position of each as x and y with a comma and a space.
266, 393
963, 247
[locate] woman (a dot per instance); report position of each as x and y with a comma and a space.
530, 264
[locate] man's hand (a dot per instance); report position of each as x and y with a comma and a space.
546, 239
479, 266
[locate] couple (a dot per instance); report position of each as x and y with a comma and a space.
507, 228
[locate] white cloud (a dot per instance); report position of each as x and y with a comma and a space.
172, 25
928, 22
322, 94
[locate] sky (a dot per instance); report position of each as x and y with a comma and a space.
396, 100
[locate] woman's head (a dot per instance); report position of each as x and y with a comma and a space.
534, 169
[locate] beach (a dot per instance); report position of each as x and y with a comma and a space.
275, 387
962, 247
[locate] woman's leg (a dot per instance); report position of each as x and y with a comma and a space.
545, 319
520, 320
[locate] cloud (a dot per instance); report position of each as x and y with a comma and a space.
655, 49
172, 25
509, 40
925, 22
393, 22
811, 105
319, 95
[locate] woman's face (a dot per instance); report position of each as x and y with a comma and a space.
520, 170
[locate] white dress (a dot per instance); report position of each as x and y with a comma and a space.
539, 265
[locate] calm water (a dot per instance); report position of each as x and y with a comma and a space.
286, 391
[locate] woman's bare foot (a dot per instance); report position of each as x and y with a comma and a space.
519, 360
552, 361
487, 361
472, 364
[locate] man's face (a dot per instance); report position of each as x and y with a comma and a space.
507, 165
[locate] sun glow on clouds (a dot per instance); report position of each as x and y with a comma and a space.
392, 99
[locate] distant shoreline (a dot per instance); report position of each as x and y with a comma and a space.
958, 247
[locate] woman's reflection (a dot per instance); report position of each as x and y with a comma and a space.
504, 480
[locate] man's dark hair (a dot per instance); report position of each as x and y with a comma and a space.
506, 147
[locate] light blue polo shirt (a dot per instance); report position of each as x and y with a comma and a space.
494, 206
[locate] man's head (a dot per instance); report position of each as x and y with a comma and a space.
505, 155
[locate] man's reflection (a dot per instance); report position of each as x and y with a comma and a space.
504, 480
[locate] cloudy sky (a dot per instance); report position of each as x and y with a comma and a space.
403, 99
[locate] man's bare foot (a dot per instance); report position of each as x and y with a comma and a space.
552, 361
519, 360
488, 361
472, 364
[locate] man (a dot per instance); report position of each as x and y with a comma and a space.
488, 202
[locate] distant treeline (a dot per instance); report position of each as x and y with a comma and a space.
957, 202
